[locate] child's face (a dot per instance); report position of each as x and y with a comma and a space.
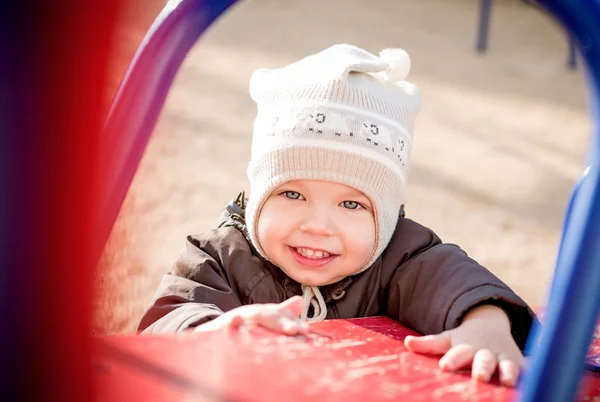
317, 232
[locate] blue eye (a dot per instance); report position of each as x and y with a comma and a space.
351, 205
292, 195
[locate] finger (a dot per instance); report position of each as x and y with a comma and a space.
432, 344
221, 322
293, 305
236, 321
281, 324
508, 371
484, 365
458, 357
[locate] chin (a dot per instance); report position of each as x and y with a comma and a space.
310, 280
315, 283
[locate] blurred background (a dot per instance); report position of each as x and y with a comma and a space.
499, 144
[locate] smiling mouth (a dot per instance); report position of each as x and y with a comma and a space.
313, 254
312, 258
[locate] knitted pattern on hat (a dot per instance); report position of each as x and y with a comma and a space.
342, 115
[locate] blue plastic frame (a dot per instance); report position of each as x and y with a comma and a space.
558, 350
142, 93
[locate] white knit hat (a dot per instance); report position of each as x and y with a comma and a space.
342, 115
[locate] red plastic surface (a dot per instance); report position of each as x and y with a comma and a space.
345, 360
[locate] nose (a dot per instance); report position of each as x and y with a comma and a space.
317, 222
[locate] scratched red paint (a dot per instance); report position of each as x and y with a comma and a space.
346, 360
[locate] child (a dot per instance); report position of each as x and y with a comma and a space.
325, 220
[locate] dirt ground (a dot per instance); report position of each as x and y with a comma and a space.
498, 146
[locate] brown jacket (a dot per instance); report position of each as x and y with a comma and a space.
425, 284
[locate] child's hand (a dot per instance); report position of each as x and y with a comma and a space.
282, 317
483, 341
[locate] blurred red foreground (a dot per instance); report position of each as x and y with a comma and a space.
345, 360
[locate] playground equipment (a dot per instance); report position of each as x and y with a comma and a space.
558, 350
484, 28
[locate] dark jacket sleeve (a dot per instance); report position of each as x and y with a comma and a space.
436, 284
197, 289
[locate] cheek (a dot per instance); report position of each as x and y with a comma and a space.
270, 228
361, 237
264, 229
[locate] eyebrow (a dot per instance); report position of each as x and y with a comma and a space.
290, 187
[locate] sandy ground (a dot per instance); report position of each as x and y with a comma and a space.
498, 146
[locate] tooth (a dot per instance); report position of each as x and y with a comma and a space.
319, 254
309, 252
